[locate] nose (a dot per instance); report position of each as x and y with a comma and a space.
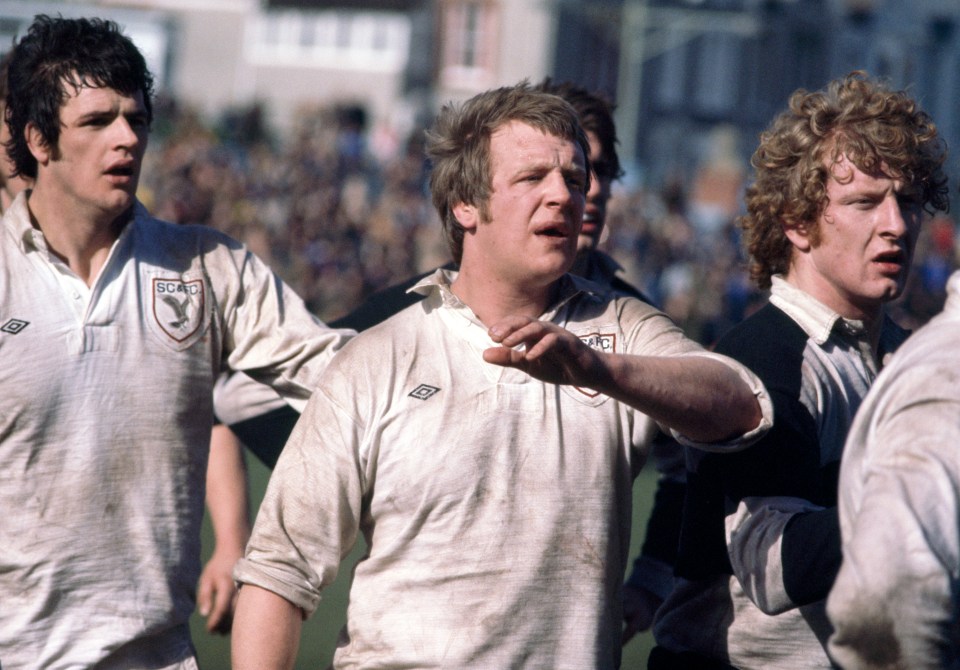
560, 192
896, 217
124, 133
595, 185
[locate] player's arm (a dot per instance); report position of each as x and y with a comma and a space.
266, 631
781, 528
703, 398
227, 502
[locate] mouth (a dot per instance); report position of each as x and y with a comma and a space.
125, 170
557, 230
590, 222
891, 262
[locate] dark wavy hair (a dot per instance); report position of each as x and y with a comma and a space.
458, 146
57, 53
854, 116
596, 116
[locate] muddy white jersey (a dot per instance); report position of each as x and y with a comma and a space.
105, 417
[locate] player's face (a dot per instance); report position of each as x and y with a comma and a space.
95, 166
595, 213
865, 244
536, 205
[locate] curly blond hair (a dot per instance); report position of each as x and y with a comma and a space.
854, 116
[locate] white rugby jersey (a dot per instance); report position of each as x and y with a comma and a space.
895, 600
105, 416
496, 507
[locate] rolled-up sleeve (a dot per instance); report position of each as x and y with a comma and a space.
309, 518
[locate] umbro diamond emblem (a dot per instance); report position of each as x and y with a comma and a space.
423, 392
14, 326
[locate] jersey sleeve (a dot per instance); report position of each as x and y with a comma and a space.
267, 330
649, 332
309, 518
778, 500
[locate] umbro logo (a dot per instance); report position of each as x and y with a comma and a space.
423, 392
14, 326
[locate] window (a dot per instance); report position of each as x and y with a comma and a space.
469, 43
372, 41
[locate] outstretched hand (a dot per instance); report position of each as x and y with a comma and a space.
549, 353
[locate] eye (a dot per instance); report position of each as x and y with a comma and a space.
863, 202
909, 199
602, 169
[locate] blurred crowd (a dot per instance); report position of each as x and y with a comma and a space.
338, 221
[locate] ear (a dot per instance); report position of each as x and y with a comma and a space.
799, 236
37, 143
467, 216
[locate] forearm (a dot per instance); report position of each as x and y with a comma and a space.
227, 498
811, 555
700, 397
266, 631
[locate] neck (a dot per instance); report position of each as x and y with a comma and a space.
82, 242
492, 298
870, 313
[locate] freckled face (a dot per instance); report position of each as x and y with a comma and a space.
865, 244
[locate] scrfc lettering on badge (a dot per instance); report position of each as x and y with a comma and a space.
600, 341
176, 287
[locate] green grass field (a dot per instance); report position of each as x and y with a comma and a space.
320, 631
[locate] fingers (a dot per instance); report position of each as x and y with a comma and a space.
639, 607
221, 614
629, 632
216, 596
507, 327
503, 356
537, 336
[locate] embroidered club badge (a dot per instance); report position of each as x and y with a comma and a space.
178, 306
605, 342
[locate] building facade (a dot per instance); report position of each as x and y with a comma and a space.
678, 69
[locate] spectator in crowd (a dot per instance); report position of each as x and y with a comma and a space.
115, 326
895, 601
842, 180
495, 500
